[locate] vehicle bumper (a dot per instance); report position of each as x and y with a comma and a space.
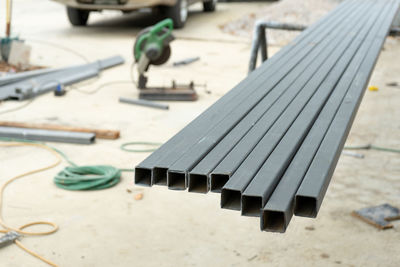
129, 5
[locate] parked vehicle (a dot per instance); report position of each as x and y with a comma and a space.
78, 11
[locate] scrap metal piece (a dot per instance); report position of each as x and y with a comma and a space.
8, 238
378, 216
186, 61
47, 135
145, 103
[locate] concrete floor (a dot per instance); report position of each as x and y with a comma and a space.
167, 228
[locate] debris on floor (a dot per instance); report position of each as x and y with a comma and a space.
289, 11
373, 88
378, 216
393, 84
139, 196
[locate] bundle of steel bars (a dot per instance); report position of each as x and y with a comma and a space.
271, 144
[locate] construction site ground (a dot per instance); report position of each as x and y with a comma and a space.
171, 228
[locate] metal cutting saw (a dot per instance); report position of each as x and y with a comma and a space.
152, 47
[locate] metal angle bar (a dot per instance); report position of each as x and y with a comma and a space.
315, 183
144, 171
198, 177
177, 173
264, 182
278, 211
47, 135
262, 143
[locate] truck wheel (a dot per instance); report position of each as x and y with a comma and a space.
77, 17
210, 6
178, 13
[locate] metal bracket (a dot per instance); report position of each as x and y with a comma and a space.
260, 41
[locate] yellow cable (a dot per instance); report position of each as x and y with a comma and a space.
20, 230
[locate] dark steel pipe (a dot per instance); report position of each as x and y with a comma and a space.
315, 183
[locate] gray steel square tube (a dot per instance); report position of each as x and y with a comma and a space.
315, 183
251, 152
198, 177
177, 173
268, 176
203, 122
279, 209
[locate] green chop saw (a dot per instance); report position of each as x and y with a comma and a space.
152, 47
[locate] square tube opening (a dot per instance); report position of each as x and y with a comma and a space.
218, 181
176, 180
305, 206
143, 176
230, 199
251, 206
273, 221
160, 176
198, 183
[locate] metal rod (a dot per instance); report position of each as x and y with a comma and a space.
315, 183
47, 135
145, 103
144, 171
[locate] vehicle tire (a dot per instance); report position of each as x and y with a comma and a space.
77, 17
178, 13
210, 6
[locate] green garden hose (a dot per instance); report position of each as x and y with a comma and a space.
76, 177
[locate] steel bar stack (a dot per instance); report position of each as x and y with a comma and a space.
271, 144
